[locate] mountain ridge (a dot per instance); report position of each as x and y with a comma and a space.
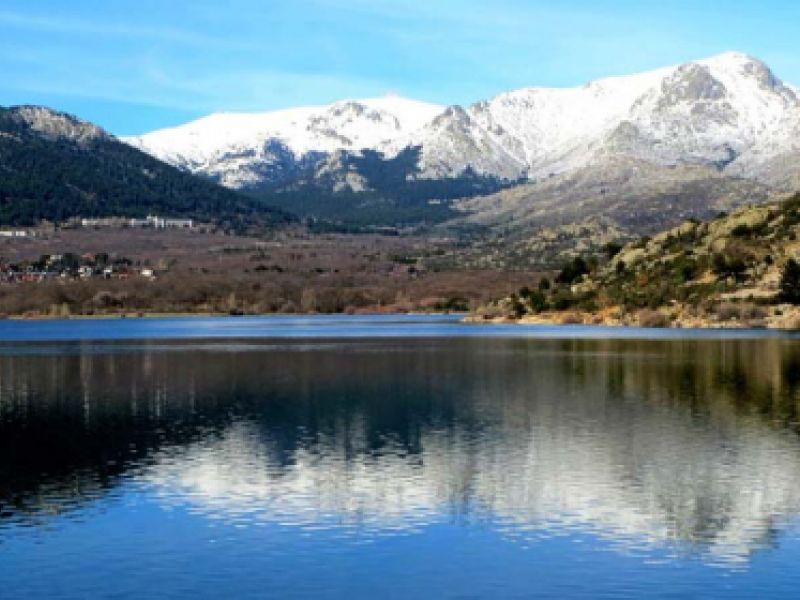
302, 132
726, 110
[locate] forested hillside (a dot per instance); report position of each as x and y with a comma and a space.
368, 190
54, 166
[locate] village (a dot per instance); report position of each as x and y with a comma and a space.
150, 222
70, 266
73, 266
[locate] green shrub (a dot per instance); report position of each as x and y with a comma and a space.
790, 282
538, 302
573, 271
741, 231
729, 264
454, 304
611, 249
563, 300
687, 269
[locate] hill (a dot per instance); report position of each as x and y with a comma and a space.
737, 270
54, 166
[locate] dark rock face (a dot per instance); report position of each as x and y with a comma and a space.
690, 83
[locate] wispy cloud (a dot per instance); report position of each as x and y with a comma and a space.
77, 26
176, 87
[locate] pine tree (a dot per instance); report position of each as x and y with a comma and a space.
790, 282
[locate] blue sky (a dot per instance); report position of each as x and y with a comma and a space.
133, 66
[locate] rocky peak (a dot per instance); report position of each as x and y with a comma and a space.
690, 83
762, 74
350, 111
753, 73
57, 125
453, 116
347, 108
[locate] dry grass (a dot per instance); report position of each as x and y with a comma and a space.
571, 318
291, 272
652, 318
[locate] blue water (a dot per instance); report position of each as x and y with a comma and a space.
395, 457
336, 326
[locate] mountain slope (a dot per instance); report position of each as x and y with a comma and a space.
54, 166
546, 222
263, 149
643, 151
729, 112
737, 270
638, 195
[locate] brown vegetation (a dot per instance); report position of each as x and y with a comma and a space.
289, 272
652, 318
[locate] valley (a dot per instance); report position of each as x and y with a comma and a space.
181, 271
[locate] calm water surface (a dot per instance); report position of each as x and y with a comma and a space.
395, 458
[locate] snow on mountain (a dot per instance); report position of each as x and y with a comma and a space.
528, 131
721, 111
729, 112
242, 149
716, 111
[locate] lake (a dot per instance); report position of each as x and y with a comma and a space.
396, 457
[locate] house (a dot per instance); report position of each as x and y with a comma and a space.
179, 223
151, 221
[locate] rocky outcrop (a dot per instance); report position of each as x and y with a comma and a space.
737, 270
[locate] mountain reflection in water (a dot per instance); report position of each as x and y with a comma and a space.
690, 445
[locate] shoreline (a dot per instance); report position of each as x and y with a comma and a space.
783, 322
168, 315
782, 318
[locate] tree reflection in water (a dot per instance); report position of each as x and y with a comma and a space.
686, 443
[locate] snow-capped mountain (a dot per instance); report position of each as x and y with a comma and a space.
729, 113
726, 111
243, 150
